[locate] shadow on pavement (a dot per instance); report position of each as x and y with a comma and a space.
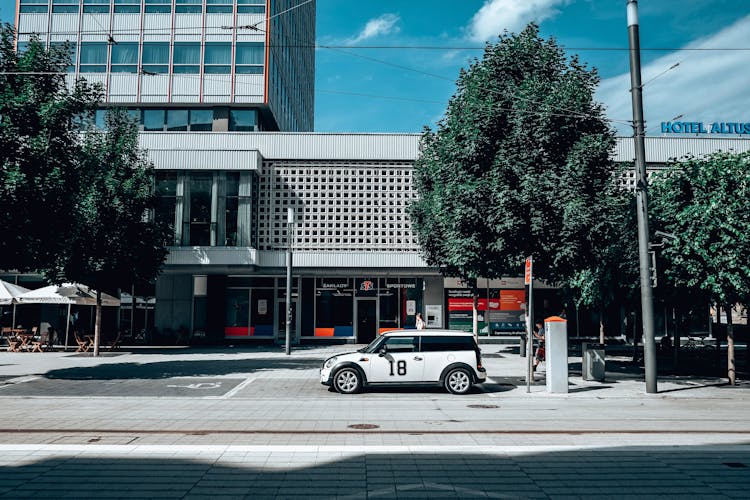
184, 368
615, 472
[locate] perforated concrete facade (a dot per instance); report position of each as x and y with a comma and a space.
339, 205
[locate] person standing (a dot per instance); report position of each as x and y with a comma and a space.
420, 322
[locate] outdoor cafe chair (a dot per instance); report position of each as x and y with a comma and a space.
83, 344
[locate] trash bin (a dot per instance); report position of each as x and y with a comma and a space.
592, 361
522, 345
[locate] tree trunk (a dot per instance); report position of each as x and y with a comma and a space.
98, 324
601, 325
730, 346
475, 315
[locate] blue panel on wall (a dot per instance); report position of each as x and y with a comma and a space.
343, 331
263, 331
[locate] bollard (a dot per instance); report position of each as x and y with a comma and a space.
522, 345
556, 354
592, 361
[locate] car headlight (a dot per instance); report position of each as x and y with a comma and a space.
330, 362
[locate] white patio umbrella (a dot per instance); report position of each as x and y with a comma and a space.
8, 294
69, 294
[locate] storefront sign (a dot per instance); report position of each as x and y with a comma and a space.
726, 128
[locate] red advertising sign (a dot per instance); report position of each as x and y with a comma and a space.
527, 273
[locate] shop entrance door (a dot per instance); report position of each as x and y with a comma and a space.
281, 314
367, 320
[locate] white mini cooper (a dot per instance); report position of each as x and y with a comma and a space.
409, 357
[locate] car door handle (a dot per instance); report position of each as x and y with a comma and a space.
417, 358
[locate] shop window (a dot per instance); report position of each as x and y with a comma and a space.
237, 321
125, 58
187, 58
261, 312
155, 57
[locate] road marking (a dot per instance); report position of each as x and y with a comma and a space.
238, 388
201, 385
18, 380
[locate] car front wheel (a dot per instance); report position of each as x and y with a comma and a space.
458, 381
347, 381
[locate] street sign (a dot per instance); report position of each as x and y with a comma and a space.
527, 273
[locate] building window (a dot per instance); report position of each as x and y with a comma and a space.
93, 57
187, 58
232, 205
243, 120
201, 120
251, 6
218, 6
177, 120
125, 58
64, 6
249, 58
187, 6
200, 208
127, 6
217, 58
96, 6
158, 6
155, 57
166, 200
34, 6
71, 68
153, 120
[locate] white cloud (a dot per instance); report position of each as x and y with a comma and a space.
498, 15
708, 85
382, 25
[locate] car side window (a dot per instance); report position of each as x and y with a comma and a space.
401, 344
445, 343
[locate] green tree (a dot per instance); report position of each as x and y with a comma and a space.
705, 203
114, 243
518, 166
40, 145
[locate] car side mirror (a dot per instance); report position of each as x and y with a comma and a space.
382, 352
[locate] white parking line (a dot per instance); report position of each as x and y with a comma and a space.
237, 388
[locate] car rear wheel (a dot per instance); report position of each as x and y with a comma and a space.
347, 381
458, 381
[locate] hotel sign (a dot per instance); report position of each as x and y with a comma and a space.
726, 128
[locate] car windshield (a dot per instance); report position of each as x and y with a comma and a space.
373, 346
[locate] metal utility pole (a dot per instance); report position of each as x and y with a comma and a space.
529, 280
647, 302
289, 237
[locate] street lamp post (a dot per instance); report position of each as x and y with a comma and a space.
641, 190
289, 237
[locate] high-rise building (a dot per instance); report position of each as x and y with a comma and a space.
189, 65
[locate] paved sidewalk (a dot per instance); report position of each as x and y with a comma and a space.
255, 423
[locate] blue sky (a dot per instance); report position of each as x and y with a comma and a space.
362, 89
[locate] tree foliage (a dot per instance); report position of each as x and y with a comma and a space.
519, 165
40, 146
705, 204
